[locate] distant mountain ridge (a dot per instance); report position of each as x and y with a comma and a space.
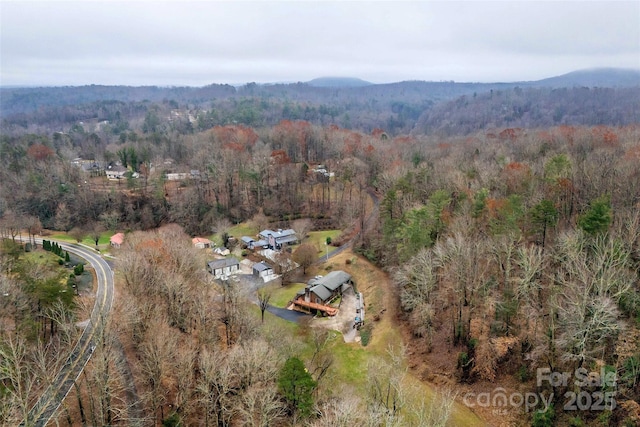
599, 96
338, 82
596, 77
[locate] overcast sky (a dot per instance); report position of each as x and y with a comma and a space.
202, 42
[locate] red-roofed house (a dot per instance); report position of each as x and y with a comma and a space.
201, 242
117, 240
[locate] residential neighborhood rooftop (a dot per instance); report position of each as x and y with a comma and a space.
221, 263
332, 280
261, 266
117, 239
200, 240
277, 234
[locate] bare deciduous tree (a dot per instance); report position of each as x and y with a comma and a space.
77, 233
437, 411
305, 255
344, 410
384, 379
302, 228
263, 301
156, 352
21, 378
259, 406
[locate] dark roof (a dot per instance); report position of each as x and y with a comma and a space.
333, 280
246, 239
261, 266
325, 286
222, 263
321, 291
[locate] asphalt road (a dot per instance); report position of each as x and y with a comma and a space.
283, 313
51, 399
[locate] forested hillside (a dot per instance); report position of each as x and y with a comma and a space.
396, 107
508, 224
532, 108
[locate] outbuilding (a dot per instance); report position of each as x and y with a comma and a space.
220, 268
262, 269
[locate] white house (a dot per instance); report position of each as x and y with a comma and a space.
116, 172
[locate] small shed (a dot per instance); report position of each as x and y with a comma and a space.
201, 242
117, 240
221, 251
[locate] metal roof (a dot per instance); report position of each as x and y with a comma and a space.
222, 263
287, 239
261, 266
321, 291
333, 280
277, 234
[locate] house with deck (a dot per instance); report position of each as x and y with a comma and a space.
321, 291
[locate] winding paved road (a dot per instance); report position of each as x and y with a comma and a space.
51, 399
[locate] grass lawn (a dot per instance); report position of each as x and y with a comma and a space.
281, 295
61, 236
350, 363
104, 238
42, 257
243, 229
318, 239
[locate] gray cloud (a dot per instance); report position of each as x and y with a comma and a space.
202, 42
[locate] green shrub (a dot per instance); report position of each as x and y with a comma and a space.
576, 422
365, 334
296, 385
78, 269
604, 418
545, 418
172, 420
523, 374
